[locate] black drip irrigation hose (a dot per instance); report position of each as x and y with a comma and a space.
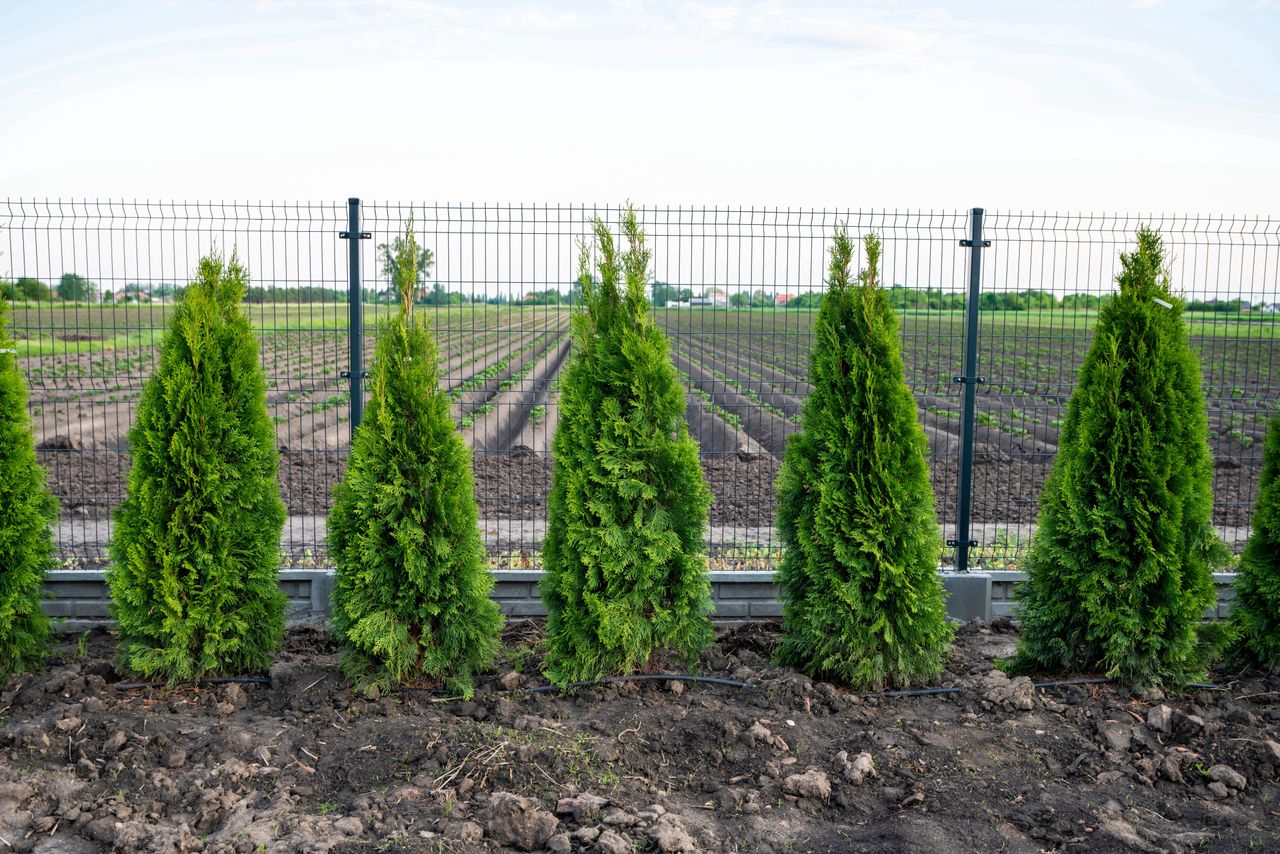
213, 680
1055, 683
607, 680
643, 677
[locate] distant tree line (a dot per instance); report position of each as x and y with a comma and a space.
72, 287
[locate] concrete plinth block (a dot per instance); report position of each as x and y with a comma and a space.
968, 595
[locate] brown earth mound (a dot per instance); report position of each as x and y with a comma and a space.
789, 764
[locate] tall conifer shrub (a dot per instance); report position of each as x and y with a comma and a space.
626, 570
1256, 616
411, 599
197, 539
26, 510
1119, 569
862, 602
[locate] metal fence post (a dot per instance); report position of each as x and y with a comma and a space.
970, 379
355, 302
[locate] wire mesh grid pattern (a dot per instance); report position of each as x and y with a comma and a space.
735, 290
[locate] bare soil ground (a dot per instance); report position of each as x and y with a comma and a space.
303, 764
515, 485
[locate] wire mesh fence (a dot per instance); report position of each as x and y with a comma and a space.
92, 284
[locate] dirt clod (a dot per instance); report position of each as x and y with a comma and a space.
1227, 776
859, 769
612, 842
669, 834
583, 807
813, 783
519, 821
1018, 693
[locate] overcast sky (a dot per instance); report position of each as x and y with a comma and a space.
1098, 106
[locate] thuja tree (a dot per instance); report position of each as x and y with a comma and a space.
1256, 616
26, 511
862, 602
626, 572
197, 539
1119, 569
411, 601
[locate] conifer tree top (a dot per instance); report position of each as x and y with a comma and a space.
406, 270
604, 303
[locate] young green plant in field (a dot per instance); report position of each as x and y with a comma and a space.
197, 539
1256, 616
411, 599
1119, 569
862, 602
26, 510
626, 569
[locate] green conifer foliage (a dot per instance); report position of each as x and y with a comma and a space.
1119, 569
626, 570
1256, 616
862, 602
412, 594
197, 540
26, 511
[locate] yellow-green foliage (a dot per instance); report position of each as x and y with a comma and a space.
197, 541
1256, 616
1120, 567
26, 511
862, 602
626, 569
411, 598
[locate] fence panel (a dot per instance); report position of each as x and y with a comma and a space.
735, 291
1044, 279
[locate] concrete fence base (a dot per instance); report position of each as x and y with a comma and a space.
79, 599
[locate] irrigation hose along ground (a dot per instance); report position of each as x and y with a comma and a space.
213, 680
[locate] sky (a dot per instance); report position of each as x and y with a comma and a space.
1142, 106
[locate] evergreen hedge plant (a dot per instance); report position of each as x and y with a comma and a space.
1256, 615
862, 601
27, 509
626, 572
197, 539
1120, 567
411, 599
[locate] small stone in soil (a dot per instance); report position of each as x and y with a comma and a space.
1160, 718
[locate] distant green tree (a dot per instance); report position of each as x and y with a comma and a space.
626, 569
391, 255
862, 602
73, 287
1119, 569
1256, 615
411, 598
27, 509
740, 300
33, 290
197, 540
